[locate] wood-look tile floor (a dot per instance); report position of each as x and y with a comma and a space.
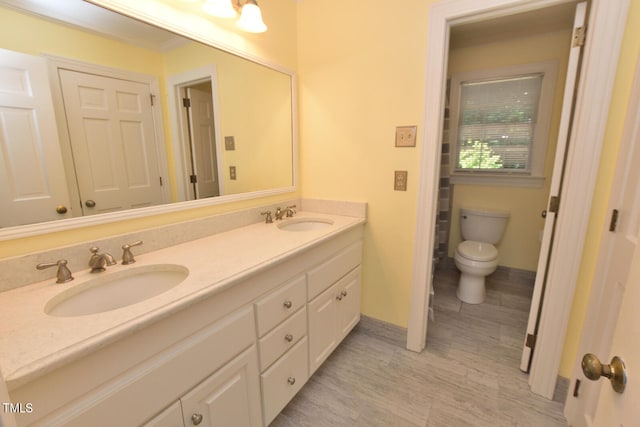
467, 376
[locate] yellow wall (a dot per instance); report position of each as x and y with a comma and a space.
360, 77
520, 245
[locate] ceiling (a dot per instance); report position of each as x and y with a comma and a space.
549, 19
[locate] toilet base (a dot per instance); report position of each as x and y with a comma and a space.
471, 289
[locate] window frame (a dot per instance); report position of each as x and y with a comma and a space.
535, 176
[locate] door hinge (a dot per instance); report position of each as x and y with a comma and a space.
186, 102
579, 35
152, 97
614, 220
554, 204
576, 388
531, 341
160, 181
193, 179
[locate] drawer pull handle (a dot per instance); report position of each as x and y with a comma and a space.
339, 297
288, 304
343, 293
291, 380
196, 419
288, 337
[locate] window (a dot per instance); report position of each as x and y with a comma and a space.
500, 124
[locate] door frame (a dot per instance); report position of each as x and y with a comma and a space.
606, 28
180, 125
57, 62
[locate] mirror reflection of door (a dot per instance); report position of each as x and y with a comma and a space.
32, 183
202, 143
110, 123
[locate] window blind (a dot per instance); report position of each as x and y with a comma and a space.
496, 124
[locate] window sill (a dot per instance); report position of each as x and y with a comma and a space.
498, 180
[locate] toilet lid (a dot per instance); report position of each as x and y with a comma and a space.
478, 251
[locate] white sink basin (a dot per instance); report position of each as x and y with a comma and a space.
305, 224
104, 293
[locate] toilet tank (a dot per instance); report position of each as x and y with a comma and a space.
482, 225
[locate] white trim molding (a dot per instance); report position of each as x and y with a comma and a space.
606, 27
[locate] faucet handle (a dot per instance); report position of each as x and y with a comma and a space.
63, 275
127, 255
290, 211
268, 218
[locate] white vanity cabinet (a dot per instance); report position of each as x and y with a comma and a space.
234, 357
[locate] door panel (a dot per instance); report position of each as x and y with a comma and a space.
203, 142
110, 125
32, 180
556, 183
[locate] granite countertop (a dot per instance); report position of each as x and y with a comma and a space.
33, 343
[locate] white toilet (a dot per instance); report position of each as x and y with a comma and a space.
477, 257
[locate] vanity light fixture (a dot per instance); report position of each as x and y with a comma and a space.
250, 14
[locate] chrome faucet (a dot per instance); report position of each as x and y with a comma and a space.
268, 219
290, 211
127, 256
279, 214
63, 275
98, 262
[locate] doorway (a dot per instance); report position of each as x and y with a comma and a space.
201, 141
606, 25
197, 148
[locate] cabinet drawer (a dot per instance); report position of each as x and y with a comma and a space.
280, 304
327, 273
283, 380
282, 338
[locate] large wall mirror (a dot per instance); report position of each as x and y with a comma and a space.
103, 117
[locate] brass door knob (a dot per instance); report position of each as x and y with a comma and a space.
61, 209
90, 203
593, 369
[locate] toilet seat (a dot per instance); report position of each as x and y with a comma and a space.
477, 251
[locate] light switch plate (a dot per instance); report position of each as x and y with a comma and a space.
229, 143
400, 181
232, 173
406, 136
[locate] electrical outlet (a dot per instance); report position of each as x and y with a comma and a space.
400, 181
406, 136
232, 173
229, 143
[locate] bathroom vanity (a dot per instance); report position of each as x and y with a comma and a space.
261, 308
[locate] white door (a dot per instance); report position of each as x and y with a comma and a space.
612, 323
616, 409
203, 142
556, 183
110, 124
32, 179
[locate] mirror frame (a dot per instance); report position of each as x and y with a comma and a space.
199, 35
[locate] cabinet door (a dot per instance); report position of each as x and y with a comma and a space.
170, 417
229, 397
349, 305
323, 326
